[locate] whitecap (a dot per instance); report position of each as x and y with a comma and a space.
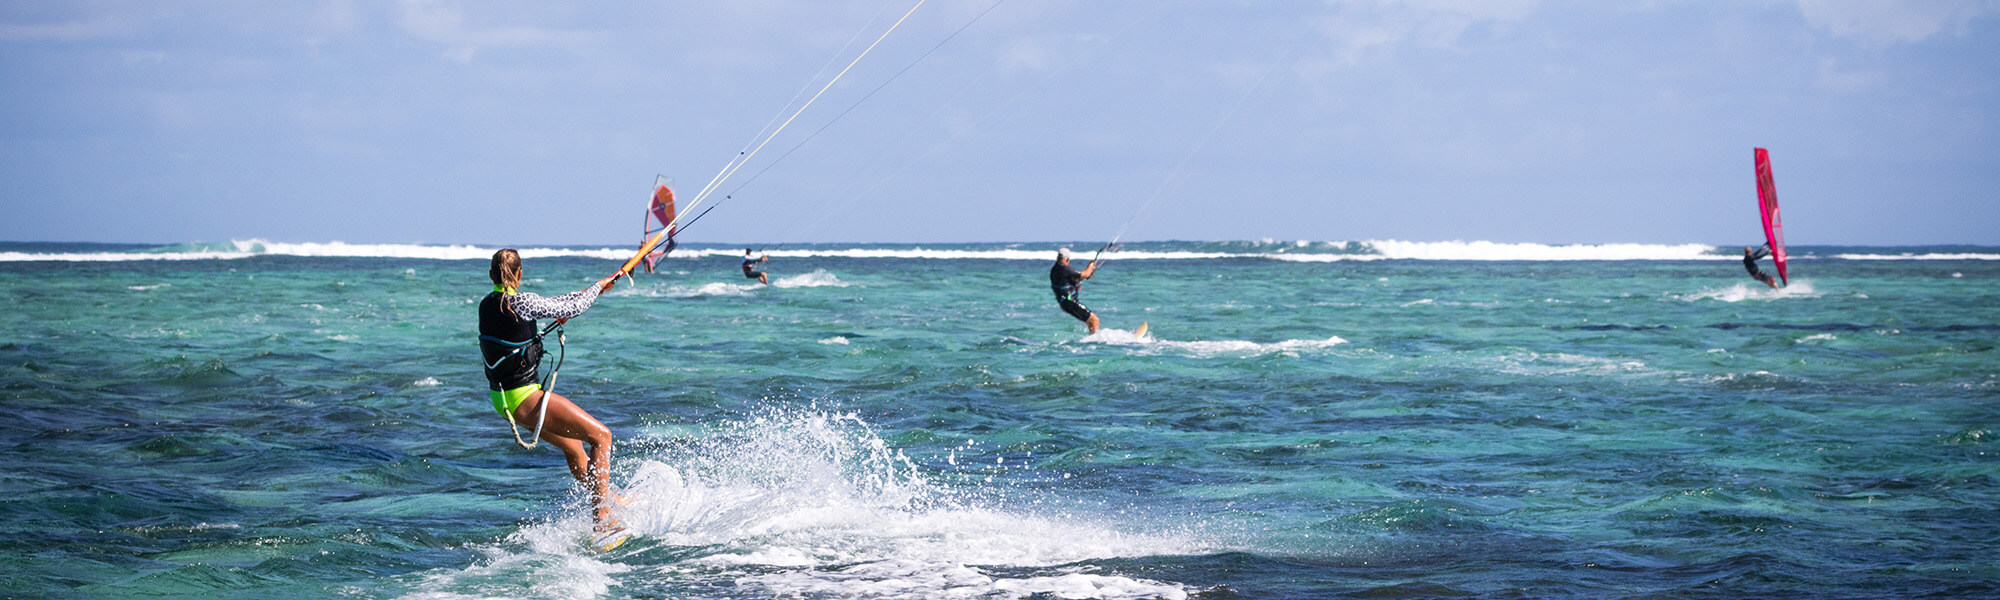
1208, 348
1746, 291
1483, 250
1542, 364
689, 291
1925, 256
817, 278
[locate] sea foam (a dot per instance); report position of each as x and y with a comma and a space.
808, 503
1208, 348
1746, 291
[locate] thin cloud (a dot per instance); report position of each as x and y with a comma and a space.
1361, 29
1887, 21
74, 31
444, 23
1045, 53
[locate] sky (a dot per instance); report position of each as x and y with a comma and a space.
538, 123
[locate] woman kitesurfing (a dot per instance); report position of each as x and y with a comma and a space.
511, 346
510, 341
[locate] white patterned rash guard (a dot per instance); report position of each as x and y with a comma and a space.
535, 306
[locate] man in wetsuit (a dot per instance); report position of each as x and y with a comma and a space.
1067, 282
750, 267
1750, 256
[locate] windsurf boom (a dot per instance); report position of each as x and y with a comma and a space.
1767, 205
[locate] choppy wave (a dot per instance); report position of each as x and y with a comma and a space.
691, 291
1746, 291
1924, 256
1300, 251
817, 278
1120, 337
1505, 251
806, 504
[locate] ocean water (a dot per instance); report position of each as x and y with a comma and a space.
1310, 420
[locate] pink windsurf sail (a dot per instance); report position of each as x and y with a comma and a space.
1767, 204
659, 216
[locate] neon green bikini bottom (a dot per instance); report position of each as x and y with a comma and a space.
507, 401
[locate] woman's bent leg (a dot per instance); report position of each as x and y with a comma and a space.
571, 429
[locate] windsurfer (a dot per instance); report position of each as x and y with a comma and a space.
1067, 283
512, 349
1750, 256
660, 210
655, 257
750, 267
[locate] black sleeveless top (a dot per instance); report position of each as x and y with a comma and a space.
497, 324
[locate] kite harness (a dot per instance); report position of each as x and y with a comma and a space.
531, 347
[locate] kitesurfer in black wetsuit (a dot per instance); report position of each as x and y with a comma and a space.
1067, 282
750, 267
1750, 256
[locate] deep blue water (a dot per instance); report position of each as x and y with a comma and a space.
921, 422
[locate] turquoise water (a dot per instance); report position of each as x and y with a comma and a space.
1321, 420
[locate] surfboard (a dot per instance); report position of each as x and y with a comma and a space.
1141, 331
610, 539
1767, 205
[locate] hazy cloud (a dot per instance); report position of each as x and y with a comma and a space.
1044, 53
1358, 29
72, 31
1894, 20
444, 23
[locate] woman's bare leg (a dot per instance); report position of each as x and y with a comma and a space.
571, 429
573, 453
